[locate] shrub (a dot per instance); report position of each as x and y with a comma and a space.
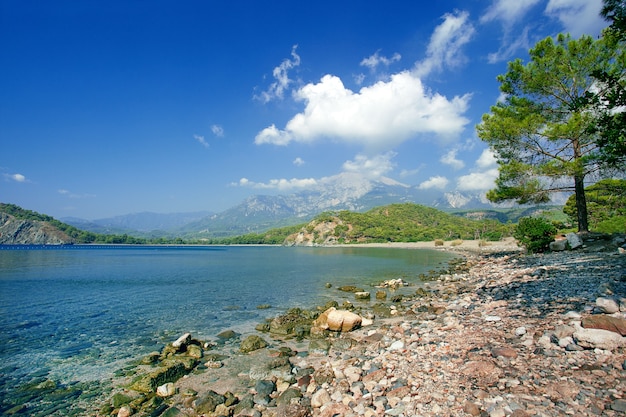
535, 233
438, 242
456, 242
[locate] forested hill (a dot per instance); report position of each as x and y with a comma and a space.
395, 223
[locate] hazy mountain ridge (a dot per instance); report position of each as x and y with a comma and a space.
142, 222
262, 212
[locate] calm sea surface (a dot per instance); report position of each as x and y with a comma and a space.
79, 314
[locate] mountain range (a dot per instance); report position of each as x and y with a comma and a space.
262, 212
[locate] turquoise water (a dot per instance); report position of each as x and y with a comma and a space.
79, 314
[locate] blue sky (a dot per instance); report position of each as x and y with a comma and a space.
118, 107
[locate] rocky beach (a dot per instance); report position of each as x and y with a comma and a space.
502, 333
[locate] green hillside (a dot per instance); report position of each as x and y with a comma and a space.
414, 223
393, 223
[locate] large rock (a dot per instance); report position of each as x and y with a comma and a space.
607, 305
598, 338
610, 323
558, 245
252, 343
208, 402
287, 323
574, 241
338, 320
169, 371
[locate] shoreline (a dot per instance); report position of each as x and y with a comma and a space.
471, 246
500, 336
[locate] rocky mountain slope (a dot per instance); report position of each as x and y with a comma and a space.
14, 231
258, 213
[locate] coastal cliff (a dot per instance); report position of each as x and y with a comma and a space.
15, 231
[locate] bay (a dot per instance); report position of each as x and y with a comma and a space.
78, 314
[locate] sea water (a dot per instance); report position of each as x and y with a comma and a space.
75, 315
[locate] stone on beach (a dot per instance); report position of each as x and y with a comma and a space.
166, 390
252, 343
338, 320
601, 321
598, 339
574, 241
607, 305
182, 341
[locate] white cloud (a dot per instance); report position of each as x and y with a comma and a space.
281, 74
515, 38
16, 177
379, 116
298, 161
217, 130
437, 182
451, 159
201, 140
510, 46
371, 167
487, 160
484, 176
446, 43
359, 78
508, 11
409, 172
279, 184
578, 17
74, 195
373, 61
478, 181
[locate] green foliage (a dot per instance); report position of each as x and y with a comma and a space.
271, 237
606, 204
546, 133
535, 233
412, 223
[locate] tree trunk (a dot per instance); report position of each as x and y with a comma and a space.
581, 203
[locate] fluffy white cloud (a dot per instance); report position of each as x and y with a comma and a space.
298, 161
279, 184
437, 182
484, 176
379, 116
217, 130
507, 10
446, 42
373, 61
487, 160
280, 73
201, 140
578, 16
478, 181
370, 167
451, 159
